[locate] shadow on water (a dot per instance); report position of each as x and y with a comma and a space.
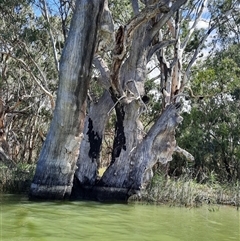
50, 221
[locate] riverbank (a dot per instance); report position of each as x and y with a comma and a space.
182, 191
16, 180
187, 192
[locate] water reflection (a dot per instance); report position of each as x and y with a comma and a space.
50, 221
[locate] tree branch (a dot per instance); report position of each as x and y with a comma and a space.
159, 46
199, 14
45, 14
186, 74
166, 17
144, 16
135, 6
26, 67
100, 64
183, 152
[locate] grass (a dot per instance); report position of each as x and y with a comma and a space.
17, 179
187, 192
182, 191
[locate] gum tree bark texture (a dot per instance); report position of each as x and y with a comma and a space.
133, 154
124, 178
131, 168
90, 149
57, 162
157, 146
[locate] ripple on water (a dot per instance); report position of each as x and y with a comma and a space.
57, 221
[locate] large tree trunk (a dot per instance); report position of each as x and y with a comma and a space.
157, 146
133, 156
57, 162
131, 171
90, 149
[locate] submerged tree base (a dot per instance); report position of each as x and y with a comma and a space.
101, 194
42, 192
183, 191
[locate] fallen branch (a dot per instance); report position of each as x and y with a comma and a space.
186, 154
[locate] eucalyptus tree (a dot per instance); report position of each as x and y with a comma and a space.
25, 81
161, 30
57, 161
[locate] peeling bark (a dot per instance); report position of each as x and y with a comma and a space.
157, 146
118, 171
132, 171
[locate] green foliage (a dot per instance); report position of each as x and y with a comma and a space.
17, 179
195, 41
121, 11
226, 15
27, 65
185, 191
211, 131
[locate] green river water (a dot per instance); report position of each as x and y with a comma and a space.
68, 221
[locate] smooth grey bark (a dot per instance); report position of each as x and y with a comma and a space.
57, 162
135, 6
